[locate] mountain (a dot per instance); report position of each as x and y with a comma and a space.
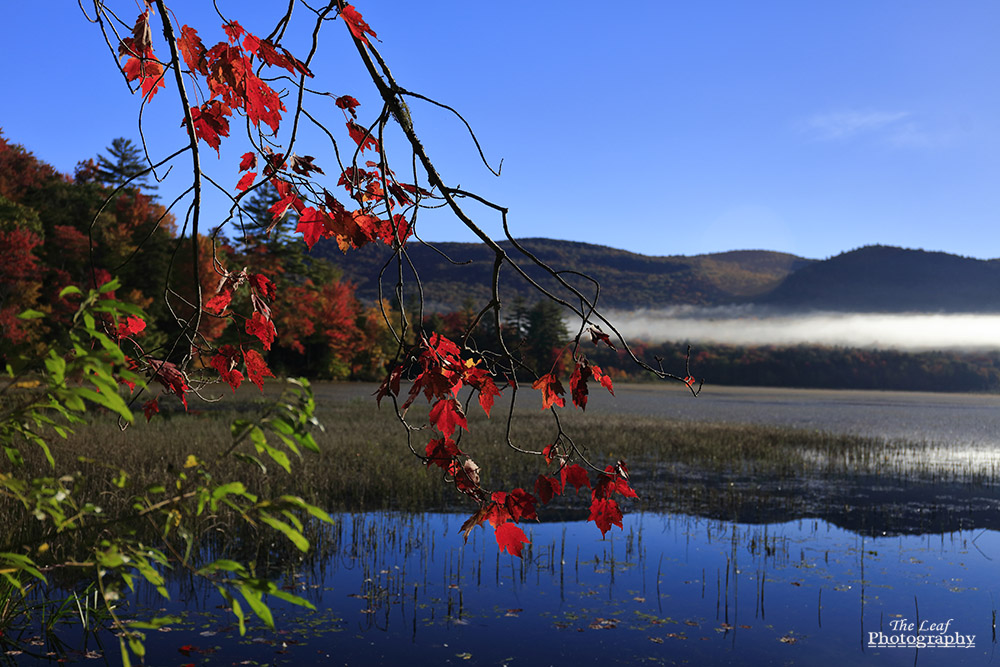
451, 273
869, 279
889, 279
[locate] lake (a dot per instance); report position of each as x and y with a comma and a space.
963, 420
865, 571
402, 589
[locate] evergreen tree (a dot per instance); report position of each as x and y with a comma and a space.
546, 337
281, 244
124, 160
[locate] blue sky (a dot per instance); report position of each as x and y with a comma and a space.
659, 127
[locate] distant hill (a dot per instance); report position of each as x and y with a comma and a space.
888, 279
453, 272
869, 279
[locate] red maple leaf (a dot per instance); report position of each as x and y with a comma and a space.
171, 377
578, 382
547, 487
497, 512
357, 24
480, 379
552, 391
511, 539
225, 361
441, 452
605, 381
193, 50
251, 43
303, 164
575, 475
487, 393
348, 103
142, 64
262, 328
362, 137
131, 326
521, 505
447, 415
262, 103
288, 199
614, 480
234, 31
150, 408
219, 302
147, 70
598, 336
604, 512
211, 122
263, 285
248, 161
246, 181
267, 52
257, 369
390, 385
312, 224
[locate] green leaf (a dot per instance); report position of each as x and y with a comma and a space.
294, 519
111, 558
22, 562
135, 643
303, 505
56, 366
294, 599
112, 402
31, 315
253, 598
125, 659
279, 425
295, 536
224, 565
222, 491
247, 458
155, 623
237, 609
153, 577
69, 289
238, 426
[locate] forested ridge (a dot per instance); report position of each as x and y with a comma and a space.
56, 231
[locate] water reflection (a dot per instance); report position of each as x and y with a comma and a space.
402, 588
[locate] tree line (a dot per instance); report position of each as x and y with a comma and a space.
51, 240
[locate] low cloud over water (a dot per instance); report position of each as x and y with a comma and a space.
740, 326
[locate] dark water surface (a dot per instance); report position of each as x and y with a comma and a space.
402, 589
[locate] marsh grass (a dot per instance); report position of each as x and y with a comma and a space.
365, 463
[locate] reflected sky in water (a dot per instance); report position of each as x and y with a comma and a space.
402, 589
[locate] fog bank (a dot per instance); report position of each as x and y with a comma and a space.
743, 326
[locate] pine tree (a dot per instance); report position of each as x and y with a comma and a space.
547, 334
124, 160
282, 246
